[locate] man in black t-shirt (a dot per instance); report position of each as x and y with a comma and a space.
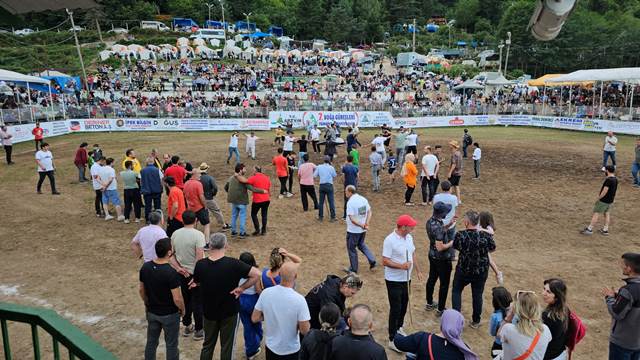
604, 202
358, 343
302, 143
219, 276
162, 297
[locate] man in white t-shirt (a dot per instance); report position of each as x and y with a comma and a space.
378, 141
411, 143
399, 259
287, 146
97, 186
314, 136
609, 150
428, 174
233, 147
107, 176
250, 148
477, 155
285, 314
44, 159
358, 218
7, 143
448, 198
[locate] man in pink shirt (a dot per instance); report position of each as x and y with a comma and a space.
143, 244
305, 176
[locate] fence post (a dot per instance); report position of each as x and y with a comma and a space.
5, 340
36, 341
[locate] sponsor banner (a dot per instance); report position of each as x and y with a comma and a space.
22, 132
518, 120
307, 119
568, 123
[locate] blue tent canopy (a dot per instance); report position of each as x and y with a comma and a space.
432, 28
212, 24
257, 35
461, 43
276, 30
243, 25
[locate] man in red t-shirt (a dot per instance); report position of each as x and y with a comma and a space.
194, 193
282, 172
175, 206
176, 171
38, 135
260, 201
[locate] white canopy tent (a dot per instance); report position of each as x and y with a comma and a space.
628, 75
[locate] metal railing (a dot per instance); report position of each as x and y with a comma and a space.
78, 344
397, 109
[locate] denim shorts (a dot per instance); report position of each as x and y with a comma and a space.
110, 196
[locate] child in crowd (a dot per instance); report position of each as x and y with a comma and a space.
392, 162
501, 299
486, 224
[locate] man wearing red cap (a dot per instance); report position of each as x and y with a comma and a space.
398, 258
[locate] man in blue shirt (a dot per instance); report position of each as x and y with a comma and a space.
326, 173
350, 172
151, 187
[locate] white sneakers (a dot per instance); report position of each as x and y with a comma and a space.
108, 217
121, 218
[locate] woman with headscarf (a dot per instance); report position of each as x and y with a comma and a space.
410, 176
523, 334
447, 344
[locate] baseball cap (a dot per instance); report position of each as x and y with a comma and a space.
440, 209
406, 220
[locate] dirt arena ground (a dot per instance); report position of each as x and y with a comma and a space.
539, 184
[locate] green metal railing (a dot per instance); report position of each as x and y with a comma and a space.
78, 344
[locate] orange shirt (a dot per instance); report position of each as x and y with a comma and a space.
281, 166
411, 177
192, 191
176, 197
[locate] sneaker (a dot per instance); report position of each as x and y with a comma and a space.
289, 194
431, 307
121, 218
99, 215
137, 221
188, 330
280, 196
603, 169
255, 233
474, 325
409, 204
586, 231
198, 335
424, 204
226, 227
636, 185
242, 235
393, 347
233, 233
108, 217
373, 265
255, 355
39, 192
126, 221
401, 331
319, 219
604, 232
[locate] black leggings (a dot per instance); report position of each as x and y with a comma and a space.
408, 194
98, 202
283, 184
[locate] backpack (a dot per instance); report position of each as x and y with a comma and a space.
576, 331
468, 139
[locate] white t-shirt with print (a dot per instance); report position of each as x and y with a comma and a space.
359, 208
399, 250
46, 160
288, 143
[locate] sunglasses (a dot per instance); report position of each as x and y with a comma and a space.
524, 292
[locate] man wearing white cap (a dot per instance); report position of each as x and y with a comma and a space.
398, 258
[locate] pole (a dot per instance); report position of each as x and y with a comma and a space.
570, 86
29, 97
633, 87
500, 60
75, 36
99, 32
544, 93
224, 24
601, 88
506, 61
414, 35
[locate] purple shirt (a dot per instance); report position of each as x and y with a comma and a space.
147, 238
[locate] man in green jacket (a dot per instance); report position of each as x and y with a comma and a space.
238, 197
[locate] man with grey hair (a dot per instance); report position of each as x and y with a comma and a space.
358, 218
151, 187
218, 277
143, 244
357, 343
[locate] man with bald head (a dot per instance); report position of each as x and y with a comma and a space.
357, 343
285, 315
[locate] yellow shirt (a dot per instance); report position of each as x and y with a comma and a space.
136, 164
279, 132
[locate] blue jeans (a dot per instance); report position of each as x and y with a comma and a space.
170, 324
635, 168
354, 241
326, 190
252, 332
238, 210
460, 281
300, 159
619, 353
234, 151
606, 155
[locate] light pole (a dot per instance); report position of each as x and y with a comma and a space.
248, 25
414, 36
500, 59
209, 6
450, 25
224, 24
75, 36
506, 61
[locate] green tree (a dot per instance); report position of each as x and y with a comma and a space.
402, 11
311, 17
368, 25
341, 16
465, 13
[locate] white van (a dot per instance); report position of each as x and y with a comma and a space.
208, 34
155, 25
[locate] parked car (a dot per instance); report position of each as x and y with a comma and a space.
118, 31
154, 25
24, 32
77, 28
